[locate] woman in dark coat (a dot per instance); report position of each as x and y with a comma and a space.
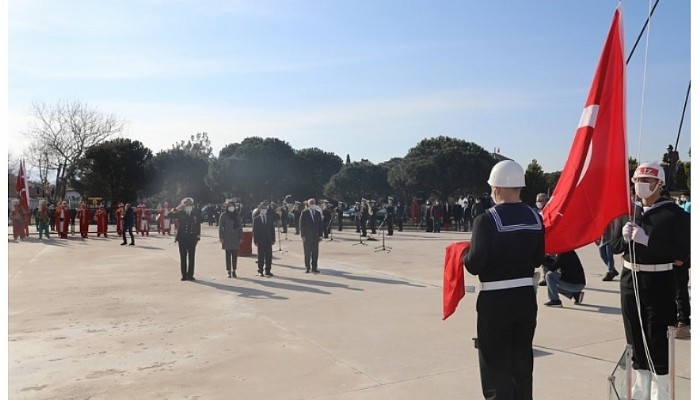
230, 235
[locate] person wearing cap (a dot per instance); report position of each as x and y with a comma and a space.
188, 234
101, 219
84, 217
264, 238
311, 227
42, 217
389, 216
507, 244
670, 165
119, 217
62, 219
128, 224
653, 243
230, 235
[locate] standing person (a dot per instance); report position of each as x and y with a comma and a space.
73, 214
606, 250
84, 217
654, 243
42, 217
458, 215
507, 244
296, 212
468, 219
400, 215
62, 215
52, 218
101, 218
139, 217
284, 217
230, 236
128, 221
389, 216
436, 213
264, 238
339, 212
311, 228
188, 234
17, 217
327, 212
119, 216
164, 219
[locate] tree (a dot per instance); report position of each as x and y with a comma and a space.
60, 135
315, 169
116, 170
535, 182
443, 166
357, 180
254, 170
177, 174
198, 144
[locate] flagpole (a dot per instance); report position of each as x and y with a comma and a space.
644, 28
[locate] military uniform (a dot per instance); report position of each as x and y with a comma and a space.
189, 228
507, 245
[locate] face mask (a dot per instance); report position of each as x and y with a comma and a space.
231, 209
263, 210
539, 204
188, 209
643, 190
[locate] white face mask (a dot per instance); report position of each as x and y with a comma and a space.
188, 209
263, 210
540, 204
231, 209
643, 189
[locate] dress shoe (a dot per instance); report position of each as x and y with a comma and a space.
131, 244
315, 271
307, 270
578, 297
233, 274
268, 274
229, 274
123, 244
260, 274
184, 278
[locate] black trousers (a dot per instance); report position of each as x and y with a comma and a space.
187, 248
264, 257
390, 225
131, 233
311, 253
231, 259
505, 327
657, 294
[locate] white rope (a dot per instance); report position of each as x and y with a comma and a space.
633, 256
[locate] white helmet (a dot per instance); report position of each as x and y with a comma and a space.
649, 170
507, 174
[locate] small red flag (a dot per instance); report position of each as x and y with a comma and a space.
453, 278
593, 187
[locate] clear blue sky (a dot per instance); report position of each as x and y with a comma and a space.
368, 78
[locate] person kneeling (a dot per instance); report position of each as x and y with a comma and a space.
565, 277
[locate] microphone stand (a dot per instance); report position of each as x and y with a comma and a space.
382, 247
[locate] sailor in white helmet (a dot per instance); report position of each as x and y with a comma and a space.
507, 244
653, 243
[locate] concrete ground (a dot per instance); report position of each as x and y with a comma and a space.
90, 319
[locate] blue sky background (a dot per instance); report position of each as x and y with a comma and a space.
368, 78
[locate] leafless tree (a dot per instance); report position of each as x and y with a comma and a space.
61, 133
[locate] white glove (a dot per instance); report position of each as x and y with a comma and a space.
639, 236
627, 231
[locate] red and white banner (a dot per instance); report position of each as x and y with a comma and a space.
594, 185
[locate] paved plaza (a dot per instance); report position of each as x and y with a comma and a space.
90, 319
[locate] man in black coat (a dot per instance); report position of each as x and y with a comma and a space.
188, 234
264, 238
311, 226
128, 223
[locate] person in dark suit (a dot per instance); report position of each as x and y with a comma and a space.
128, 223
264, 238
188, 234
311, 227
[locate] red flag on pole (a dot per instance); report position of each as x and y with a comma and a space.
453, 278
593, 188
22, 189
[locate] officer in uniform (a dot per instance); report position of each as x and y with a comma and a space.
188, 234
296, 212
339, 211
373, 208
507, 244
389, 217
655, 242
364, 215
327, 212
358, 208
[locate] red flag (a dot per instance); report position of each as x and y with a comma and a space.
453, 278
22, 188
593, 188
